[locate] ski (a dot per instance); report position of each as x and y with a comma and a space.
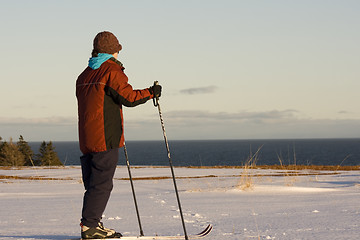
202, 234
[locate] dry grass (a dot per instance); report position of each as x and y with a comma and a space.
246, 176
289, 179
165, 177
286, 167
273, 167
32, 178
246, 179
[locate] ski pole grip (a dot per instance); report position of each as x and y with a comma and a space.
156, 97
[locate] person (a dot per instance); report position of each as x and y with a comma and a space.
101, 90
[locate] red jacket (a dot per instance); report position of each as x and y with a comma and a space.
101, 94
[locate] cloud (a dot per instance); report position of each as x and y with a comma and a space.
200, 90
40, 129
54, 121
344, 112
238, 117
29, 106
274, 124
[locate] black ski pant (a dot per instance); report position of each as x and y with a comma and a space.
97, 173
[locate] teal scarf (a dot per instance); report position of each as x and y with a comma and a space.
95, 62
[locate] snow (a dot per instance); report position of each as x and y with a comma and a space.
276, 205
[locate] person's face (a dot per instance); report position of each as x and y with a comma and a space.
116, 55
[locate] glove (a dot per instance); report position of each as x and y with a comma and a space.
156, 90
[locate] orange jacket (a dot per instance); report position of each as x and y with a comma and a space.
100, 94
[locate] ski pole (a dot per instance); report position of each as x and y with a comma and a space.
156, 104
133, 191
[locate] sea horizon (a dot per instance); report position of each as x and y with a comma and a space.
232, 152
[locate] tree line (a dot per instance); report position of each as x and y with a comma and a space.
20, 154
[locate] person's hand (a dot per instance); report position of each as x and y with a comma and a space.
156, 90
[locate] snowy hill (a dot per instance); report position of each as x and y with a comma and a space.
43, 203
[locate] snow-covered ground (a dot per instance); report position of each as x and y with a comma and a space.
276, 206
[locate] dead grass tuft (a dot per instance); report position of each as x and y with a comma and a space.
246, 180
33, 178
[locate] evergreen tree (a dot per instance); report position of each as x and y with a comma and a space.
55, 160
26, 150
42, 155
1, 146
1, 143
10, 155
47, 155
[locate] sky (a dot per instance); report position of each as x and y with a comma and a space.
229, 69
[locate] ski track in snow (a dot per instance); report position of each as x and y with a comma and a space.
311, 207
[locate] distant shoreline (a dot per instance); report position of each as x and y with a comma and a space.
235, 139
271, 167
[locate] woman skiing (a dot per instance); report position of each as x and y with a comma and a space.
101, 90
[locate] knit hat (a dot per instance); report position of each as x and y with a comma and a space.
106, 42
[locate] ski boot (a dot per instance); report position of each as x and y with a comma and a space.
99, 232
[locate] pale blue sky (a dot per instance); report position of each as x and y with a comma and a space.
229, 69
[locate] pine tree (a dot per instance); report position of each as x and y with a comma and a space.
43, 156
47, 155
26, 150
1, 143
10, 155
1, 146
55, 161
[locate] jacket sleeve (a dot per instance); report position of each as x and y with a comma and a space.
123, 93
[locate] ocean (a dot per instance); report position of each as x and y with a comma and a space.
345, 152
